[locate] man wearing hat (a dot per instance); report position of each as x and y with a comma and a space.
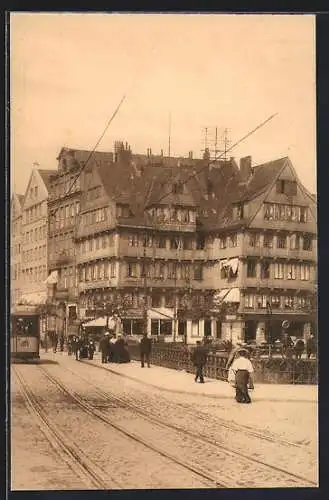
241, 370
104, 347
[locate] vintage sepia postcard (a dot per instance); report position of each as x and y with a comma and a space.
163, 251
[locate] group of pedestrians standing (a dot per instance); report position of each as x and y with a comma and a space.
113, 350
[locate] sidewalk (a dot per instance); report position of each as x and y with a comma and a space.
181, 382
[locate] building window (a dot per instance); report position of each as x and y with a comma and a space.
254, 240
188, 243
176, 243
222, 242
265, 269
262, 301
278, 270
280, 185
303, 214
132, 270
156, 300
113, 269
305, 272
275, 301
200, 242
198, 272
195, 329
268, 241
281, 241
240, 211
251, 268
288, 302
307, 242
178, 187
294, 242
133, 240
249, 301
160, 242
233, 240
291, 271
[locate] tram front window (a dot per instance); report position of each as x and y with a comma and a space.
23, 326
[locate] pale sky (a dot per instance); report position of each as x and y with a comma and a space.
69, 72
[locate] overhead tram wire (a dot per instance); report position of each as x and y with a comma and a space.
92, 152
221, 155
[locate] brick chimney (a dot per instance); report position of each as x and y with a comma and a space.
245, 168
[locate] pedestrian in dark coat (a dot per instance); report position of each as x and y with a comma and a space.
145, 350
91, 349
104, 347
121, 354
199, 359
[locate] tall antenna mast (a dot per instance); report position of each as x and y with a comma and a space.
169, 135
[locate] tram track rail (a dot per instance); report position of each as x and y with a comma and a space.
91, 475
241, 429
89, 409
291, 477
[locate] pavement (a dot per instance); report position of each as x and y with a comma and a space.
181, 382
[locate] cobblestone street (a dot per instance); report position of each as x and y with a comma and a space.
75, 425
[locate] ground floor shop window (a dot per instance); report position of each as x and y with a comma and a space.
195, 328
133, 326
218, 329
181, 327
207, 328
161, 327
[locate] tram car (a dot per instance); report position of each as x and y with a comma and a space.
25, 333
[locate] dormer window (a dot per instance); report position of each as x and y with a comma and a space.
284, 186
240, 211
178, 188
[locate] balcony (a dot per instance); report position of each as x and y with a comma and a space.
161, 253
101, 253
181, 227
162, 283
95, 284
279, 253
279, 283
62, 259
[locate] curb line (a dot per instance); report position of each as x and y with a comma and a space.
203, 394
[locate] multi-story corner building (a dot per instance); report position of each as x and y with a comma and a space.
139, 242
16, 215
63, 210
267, 254
34, 235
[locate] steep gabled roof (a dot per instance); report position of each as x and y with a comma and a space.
263, 176
45, 176
20, 198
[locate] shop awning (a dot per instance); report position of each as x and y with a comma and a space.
33, 298
160, 313
52, 278
100, 322
233, 296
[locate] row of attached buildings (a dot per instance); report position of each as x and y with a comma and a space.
190, 246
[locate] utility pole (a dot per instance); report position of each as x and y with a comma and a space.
145, 285
169, 135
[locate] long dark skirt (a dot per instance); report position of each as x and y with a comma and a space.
241, 380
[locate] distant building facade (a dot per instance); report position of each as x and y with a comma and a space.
16, 215
34, 229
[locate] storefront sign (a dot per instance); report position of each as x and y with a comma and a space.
230, 317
